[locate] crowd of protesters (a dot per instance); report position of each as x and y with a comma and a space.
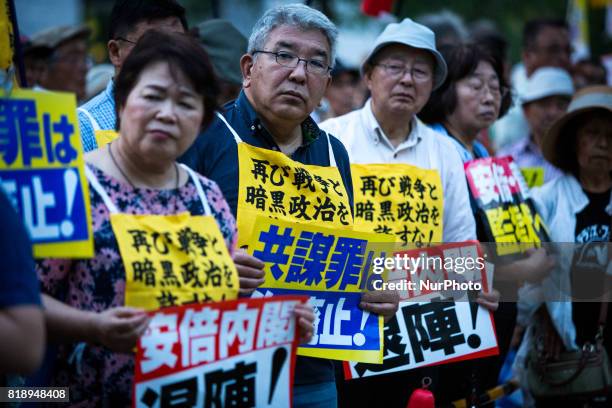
431, 94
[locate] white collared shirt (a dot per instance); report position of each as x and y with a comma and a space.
366, 143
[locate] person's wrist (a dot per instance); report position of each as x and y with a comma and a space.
91, 331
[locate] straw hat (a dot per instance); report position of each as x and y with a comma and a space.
555, 143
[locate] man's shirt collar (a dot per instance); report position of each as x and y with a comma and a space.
310, 130
375, 131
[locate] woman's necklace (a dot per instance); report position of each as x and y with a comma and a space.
110, 150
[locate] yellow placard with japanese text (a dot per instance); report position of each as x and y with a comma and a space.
104, 137
274, 185
334, 267
42, 171
6, 36
515, 225
534, 176
400, 200
174, 260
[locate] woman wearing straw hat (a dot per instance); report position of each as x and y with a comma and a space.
577, 208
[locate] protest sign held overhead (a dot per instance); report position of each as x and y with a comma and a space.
507, 212
41, 171
228, 354
332, 267
400, 200
274, 185
437, 322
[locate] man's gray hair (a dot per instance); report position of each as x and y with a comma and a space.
295, 15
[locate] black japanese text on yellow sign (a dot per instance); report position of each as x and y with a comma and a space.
400, 200
174, 260
274, 185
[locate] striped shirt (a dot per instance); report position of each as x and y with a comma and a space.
102, 109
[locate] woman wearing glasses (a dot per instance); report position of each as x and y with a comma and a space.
473, 96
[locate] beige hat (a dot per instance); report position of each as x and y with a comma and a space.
589, 99
54, 36
414, 35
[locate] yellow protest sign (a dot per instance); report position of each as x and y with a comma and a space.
333, 266
515, 225
174, 260
534, 176
104, 137
42, 173
400, 200
6, 36
274, 185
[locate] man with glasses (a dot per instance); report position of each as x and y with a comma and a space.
129, 21
401, 71
286, 72
546, 43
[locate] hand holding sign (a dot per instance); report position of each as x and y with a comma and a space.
250, 271
119, 328
382, 302
306, 318
489, 300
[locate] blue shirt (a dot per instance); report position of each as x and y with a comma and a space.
102, 108
19, 283
214, 154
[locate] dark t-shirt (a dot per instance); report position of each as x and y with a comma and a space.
18, 283
214, 154
589, 264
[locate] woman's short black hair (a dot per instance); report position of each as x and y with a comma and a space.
462, 61
182, 53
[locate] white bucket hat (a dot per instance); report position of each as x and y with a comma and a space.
413, 35
545, 82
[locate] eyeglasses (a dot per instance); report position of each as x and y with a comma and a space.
286, 59
417, 73
478, 86
126, 40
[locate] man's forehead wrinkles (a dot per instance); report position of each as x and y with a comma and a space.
286, 43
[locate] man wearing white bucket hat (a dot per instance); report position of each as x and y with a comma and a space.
546, 97
401, 71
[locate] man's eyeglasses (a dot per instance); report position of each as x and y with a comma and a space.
417, 73
126, 40
286, 59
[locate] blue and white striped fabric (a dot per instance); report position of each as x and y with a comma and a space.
101, 109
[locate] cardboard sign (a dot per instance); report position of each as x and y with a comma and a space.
332, 267
42, 173
237, 353
433, 325
400, 200
504, 206
276, 186
173, 260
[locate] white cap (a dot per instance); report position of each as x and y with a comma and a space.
545, 82
413, 35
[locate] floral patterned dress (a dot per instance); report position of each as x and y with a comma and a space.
96, 376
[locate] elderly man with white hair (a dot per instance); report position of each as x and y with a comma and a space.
286, 72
